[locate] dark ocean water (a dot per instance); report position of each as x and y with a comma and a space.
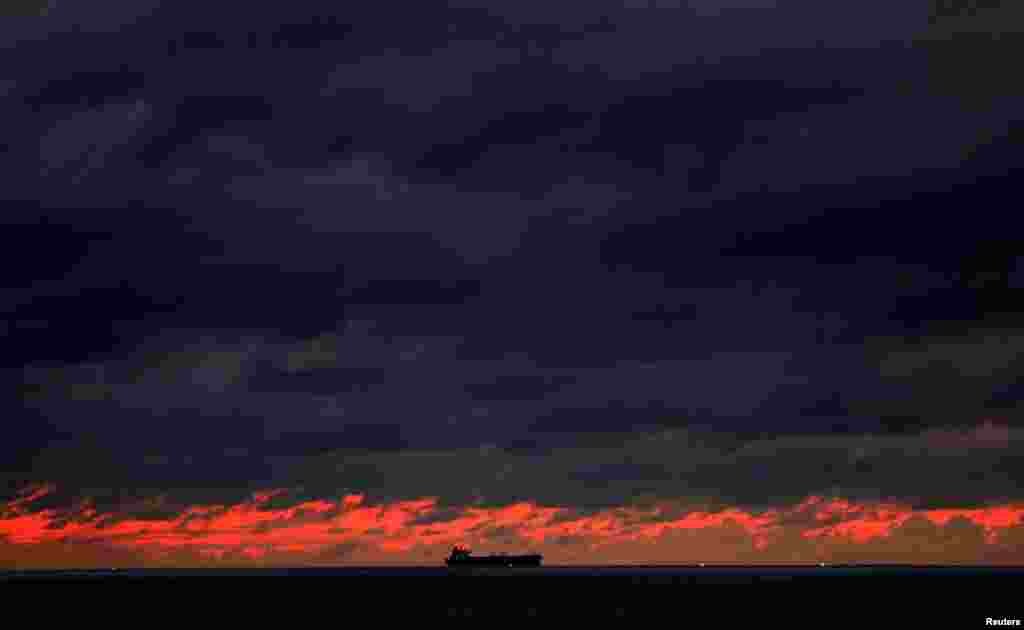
861, 596
641, 573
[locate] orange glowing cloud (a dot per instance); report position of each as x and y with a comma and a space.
865, 522
253, 531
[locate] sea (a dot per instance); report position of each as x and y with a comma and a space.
659, 573
864, 596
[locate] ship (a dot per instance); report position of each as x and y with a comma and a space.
462, 557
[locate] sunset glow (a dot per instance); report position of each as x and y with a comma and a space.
402, 530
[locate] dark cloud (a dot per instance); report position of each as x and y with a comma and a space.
953, 379
517, 386
444, 515
510, 251
970, 45
931, 469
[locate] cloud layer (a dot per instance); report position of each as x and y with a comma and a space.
541, 260
348, 530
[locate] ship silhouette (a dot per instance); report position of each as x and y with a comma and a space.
462, 557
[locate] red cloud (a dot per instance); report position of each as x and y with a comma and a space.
253, 531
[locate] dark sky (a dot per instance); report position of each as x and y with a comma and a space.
734, 253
